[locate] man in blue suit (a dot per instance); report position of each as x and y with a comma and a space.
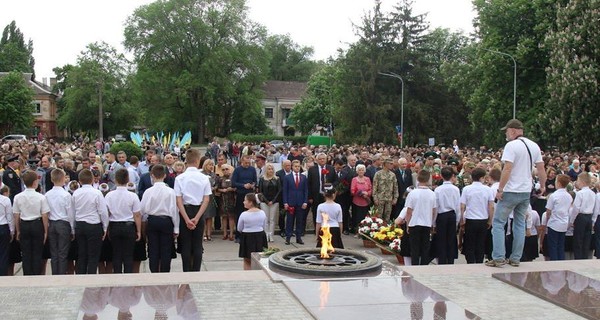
295, 202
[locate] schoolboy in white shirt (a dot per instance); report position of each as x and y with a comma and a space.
62, 222
420, 216
125, 222
477, 212
31, 224
557, 218
581, 217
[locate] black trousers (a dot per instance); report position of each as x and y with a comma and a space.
476, 232
298, 219
191, 241
282, 214
32, 246
419, 245
89, 246
582, 236
344, 201
313, 208
358, 214
4, 249
160, 243
445, 240
122, 236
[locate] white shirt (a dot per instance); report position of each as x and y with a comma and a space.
6, 213
89, 206
520, 179
422, 202
61, 206
122, 204
30, 205
584, 203
533, 221
133, 175
448, 198
333, 210
476, 198
252, 221
559, 203
192, 185
159, 200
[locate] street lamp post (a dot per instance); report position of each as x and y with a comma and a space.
514, 79
394, 75
330, 131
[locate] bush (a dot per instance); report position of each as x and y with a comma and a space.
129, 147
261, 138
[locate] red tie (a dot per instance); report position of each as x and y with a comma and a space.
297, 180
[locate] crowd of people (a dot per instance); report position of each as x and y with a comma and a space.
89, 210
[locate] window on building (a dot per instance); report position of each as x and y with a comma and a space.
269, 113
286, 113
38, 108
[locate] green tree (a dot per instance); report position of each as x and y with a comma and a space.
16, 104
100, 76
289, 61
572, 113
200, 66
15, 54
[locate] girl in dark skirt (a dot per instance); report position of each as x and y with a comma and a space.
251, 226
334, 220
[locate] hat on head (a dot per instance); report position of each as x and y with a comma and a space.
452, 162
13, 158
388, 160
514, 124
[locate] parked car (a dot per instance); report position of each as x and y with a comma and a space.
277, 143
14, 137
120, 138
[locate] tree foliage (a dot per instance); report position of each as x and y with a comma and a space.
573, 113
101, 74
16, 104
15, 54
289, 61
201, 65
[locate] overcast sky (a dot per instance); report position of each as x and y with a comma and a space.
61, 29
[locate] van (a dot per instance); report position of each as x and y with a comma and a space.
320, 141
14, 137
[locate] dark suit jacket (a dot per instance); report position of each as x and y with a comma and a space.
292, 195
314, 183
146, 182
345, 178
281, 174
405, 182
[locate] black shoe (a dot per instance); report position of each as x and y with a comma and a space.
282, 234
346, 232
287, 241
299, 241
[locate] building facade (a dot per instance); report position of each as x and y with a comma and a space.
279, 100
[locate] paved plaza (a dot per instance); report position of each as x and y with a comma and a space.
224, 291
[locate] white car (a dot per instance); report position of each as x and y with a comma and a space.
14, 137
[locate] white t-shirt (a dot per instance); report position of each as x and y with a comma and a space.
422, 202
334, 211
476, 198
559, 203
520, 179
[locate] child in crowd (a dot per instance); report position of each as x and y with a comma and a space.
335, 219
251, 225
557, 219
31, 223
581, 217
7, 230
62, 222
477, 212
420, 217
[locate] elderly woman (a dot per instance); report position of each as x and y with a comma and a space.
361, 189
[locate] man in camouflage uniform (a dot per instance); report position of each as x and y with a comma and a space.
385, 189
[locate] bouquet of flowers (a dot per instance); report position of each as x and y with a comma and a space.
369, 226
395, 245
388, 234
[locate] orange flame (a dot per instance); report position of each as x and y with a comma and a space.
326, 246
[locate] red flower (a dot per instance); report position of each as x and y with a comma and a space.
324, 171
291, 210
345, 183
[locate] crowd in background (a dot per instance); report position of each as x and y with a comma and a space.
362, 176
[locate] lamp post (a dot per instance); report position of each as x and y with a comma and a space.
514, 79
330, 131
394, 75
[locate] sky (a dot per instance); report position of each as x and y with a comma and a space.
61, 29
